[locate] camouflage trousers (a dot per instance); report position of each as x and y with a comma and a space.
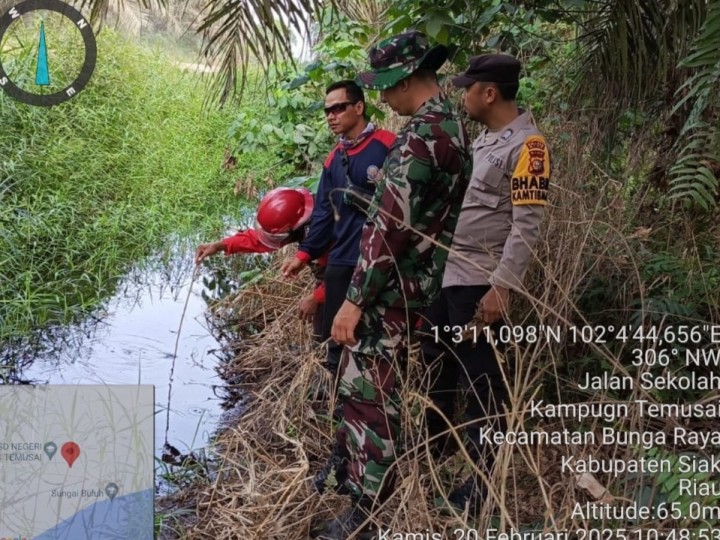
369, 433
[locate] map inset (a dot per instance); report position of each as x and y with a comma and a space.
76, 462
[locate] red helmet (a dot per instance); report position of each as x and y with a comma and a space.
282, 211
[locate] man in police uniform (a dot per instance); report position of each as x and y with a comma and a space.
492, 247
399, 270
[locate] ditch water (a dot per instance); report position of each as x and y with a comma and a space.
131, 339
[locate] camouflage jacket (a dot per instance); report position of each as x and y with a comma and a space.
425, 177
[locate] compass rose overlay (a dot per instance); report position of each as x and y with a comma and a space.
43, 74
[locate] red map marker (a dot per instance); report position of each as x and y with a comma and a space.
70, 452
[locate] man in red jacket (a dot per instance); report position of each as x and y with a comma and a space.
281, 219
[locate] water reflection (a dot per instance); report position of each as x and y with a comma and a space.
131, 339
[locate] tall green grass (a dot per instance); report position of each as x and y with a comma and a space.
93, 185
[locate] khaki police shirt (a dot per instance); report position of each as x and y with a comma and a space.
499, 223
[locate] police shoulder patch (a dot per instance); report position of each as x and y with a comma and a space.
531, 178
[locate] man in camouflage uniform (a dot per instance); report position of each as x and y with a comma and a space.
492, 247
399, 270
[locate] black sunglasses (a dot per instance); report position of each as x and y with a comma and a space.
338, 107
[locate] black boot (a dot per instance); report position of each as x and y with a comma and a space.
470, 494
334, 465
322, 475
443, 447
349, 522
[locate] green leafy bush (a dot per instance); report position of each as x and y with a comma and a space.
97, 183
290, 123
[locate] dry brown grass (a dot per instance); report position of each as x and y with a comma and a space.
262, 487
263, 490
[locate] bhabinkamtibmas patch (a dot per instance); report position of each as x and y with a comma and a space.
531, 179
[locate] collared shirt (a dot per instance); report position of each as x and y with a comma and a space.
503, 207
425, 176
335, 225
347, 144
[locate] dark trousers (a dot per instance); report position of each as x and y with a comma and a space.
472, 364
337, 281
317, 324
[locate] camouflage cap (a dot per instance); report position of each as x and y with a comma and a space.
396, 58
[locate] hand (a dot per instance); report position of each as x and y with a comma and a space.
207, 250
345, 322
291, 267
494, 304
308, 308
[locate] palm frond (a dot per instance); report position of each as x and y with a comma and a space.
237, 30
694, 175
128, 18
100, 9
364, 10
630, 48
